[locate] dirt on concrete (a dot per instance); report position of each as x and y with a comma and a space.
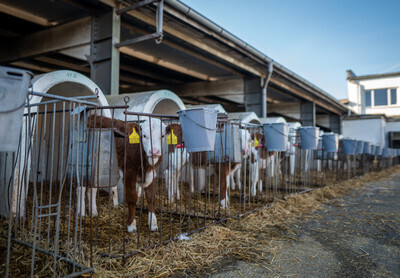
354, 236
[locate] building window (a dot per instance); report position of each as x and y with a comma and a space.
394, 139
380, 97
393, 96
367, 98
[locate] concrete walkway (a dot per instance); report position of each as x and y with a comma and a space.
354, 236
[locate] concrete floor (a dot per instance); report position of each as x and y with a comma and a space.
354, 236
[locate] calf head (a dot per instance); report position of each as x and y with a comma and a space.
153, 133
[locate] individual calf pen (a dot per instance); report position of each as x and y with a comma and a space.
75, 157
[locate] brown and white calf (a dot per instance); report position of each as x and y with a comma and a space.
142, 160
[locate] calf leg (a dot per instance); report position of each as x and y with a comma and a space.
150, 198
238, 175
131, 199
169, 183
114, 195
92, 193
224, 178
80, 206
253, 178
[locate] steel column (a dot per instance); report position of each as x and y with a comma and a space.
334, 123
104, 57
307, 111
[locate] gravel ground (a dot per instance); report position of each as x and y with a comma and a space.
354, 236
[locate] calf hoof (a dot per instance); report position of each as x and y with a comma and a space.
224, 203
154, 228
94, 213
132, 227
153, 222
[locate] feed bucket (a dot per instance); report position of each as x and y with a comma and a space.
378, 150
349, 146
367, 147
227, 145
372, 150
309, 137
198, 128
359, 147
276, 136
14, 84
330, 142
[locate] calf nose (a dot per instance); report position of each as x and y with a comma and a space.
155, 152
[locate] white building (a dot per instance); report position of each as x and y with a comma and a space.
374, 94
375, 100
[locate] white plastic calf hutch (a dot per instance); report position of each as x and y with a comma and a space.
162, 102
48, 153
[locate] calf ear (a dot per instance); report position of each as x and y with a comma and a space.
130, 126
177, 131
176, 127
256, 134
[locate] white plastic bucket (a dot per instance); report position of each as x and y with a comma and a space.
309, 137
359, 147
349, 146
14, 84
378, 150
276, 136
367, 147
372, 150
227, 145
330, 142
198, 128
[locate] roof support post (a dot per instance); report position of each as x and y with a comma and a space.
104, 56
334, 123
253, 95
307, 111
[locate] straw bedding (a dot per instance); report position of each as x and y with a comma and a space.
237, 239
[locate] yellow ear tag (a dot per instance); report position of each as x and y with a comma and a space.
172, 139
255, 142
134, 137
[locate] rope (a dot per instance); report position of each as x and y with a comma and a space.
208, 128
14, 109
312, 135
277, 130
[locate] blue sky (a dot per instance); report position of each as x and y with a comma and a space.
317, 39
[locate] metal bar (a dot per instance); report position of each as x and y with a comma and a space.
151, 115
69, 99
49, 206
52, 253
139, 39
47, 214
59, 100
135, 6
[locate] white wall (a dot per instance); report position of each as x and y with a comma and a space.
353, 96
371, 130
393, 126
